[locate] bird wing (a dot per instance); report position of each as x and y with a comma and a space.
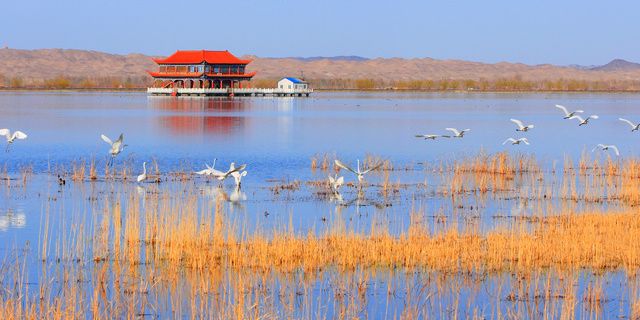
5, 132
509, 140
566, 113
577, 117
120, 138
615, 149
340, 181
205, 171
595, 116
420, 136
331, 180
454, 130
633, 125
344, 166
19, 135
518, 122
232, 169
106, 139
525, 140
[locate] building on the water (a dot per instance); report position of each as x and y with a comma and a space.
213, 73
201, 69
290, 83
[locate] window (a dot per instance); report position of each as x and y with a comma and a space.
224, 69
171, 68
181, 69
200, 68
216, 69
207, 68
234, 69
241, 69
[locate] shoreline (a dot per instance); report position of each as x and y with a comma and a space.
333, 90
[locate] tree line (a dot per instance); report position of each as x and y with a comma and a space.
502, 84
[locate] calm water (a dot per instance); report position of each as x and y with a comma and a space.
276, 138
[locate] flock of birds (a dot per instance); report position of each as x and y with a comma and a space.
236, 172
335, 182
525, 128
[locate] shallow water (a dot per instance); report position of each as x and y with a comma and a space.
276, 138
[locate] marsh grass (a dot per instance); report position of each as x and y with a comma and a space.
178, 255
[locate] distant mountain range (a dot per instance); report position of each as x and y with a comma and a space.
50, 63
335, 58
618, 65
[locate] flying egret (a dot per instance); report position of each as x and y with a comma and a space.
567, 114
607, 147
335, 183
359, 173
634, 126
143, 176
521, 126
116, 147
516, 141
12, 137
209, 171
219, 174
456, 133
237, 176
431, 136
584, 121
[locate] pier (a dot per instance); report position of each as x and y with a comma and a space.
230, 92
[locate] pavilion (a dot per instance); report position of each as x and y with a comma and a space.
201, 69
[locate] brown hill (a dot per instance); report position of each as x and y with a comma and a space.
38, 65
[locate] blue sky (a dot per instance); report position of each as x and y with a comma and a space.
532, 32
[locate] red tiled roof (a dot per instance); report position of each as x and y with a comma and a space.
199, 56
198, 74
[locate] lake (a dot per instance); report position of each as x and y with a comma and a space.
52, 229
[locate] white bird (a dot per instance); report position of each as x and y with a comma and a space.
516, 141
209, 171
359, 173
12, 137
567, 114
431, 136
584, 121
219, 174
116, 147
634, 126
456, 133
521, 126
607, 147
335, 183
143, 176
237, 176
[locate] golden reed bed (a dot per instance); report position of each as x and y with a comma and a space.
134, 254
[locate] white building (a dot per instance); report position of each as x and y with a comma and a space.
290, 83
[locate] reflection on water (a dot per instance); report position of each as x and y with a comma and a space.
195, 116
10, 219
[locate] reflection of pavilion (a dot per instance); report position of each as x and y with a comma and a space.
192, 115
